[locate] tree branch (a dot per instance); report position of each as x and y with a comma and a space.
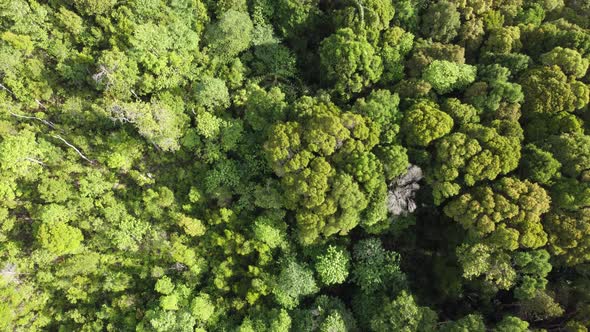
359, 5
48, 123
39, 103
75, 149
35, 161
7, 89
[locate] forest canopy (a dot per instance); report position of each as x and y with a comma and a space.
295, 165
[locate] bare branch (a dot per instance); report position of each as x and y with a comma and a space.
48, 123
10, 273
35, 161
361, 8
73, 147
7, 89
12, 93
98, 77
39, 103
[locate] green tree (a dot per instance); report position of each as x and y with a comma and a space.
573, 152
533, 267
231, 35
59, 238
441, 21
546, 90
570, 61
476, 153
375, 268
349, 62
325, 314
394, 46
472, 322
461, 113
568, 237
266, 320
511, 323
332, 265
517, 205
263, 107
401, 314
503, 40
445, 76
369, 17
424, 123
202, 307
212, 93
539, 165
382, 107
292, 283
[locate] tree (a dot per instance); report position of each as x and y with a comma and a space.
516, 205
543, 125
515, 62
540, 307
332, 265
547, 90
266, 320
425, 52
461, 113
476, 152
495, 94
375, 268
208, 125
263, 107
424, 123
568, 237
292, 17
59, 237
395, 44
539, 165
401, 314
230, 35
503, 40
573, 152
441, 21
283, 149
382, 107
116, 74
533, 267
212, 93
394, 159
326, 168
511, 323
445, 76
202, 308
325, 314
292, 283
349, 62
161, 121
223, 6
270, 230
367, 17
93, 7
570, 61
533, 14
472, 322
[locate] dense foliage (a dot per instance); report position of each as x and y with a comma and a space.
295, 165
